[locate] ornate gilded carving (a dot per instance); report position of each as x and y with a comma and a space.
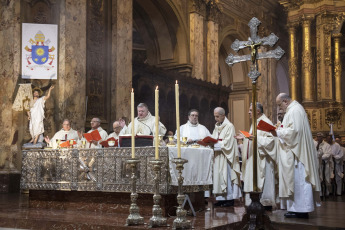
337, 66
314, 120
307, 60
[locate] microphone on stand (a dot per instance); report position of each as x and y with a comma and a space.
151, 133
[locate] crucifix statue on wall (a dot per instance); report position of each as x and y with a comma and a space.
255, 213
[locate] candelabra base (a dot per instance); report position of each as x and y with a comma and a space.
181, 221
157, 219
134, 217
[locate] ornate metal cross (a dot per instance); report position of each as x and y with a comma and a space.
255, 213
254, 42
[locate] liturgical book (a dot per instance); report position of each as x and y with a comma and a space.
264, 126
93, 136
207, 141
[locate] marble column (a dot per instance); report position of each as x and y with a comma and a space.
72, 62
293, 61
10, 61
196, 39
121, 82
307, 88
337, 66
213, 13
323, 57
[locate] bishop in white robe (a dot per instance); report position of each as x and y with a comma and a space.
338, 156
193, 130
296, 140
65, 134
145, 123
226, 167
96, 125
118, 130
326, 165
266, 163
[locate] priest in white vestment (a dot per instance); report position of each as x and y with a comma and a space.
296, 141
36, 115
326, 165
193, 130
338, 156
118, 130
226, 167
145, 123
266, 162
65, 134
96, 124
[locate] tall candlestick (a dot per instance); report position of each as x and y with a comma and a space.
177, 100
132, 118
156, 123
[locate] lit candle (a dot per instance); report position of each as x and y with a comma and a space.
156, 123
177, 101
132, 118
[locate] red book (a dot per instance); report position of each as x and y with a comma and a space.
246, 134
66, 144
264, 126
93, 136
106, 144
207, 141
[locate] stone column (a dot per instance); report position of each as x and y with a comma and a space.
10, 61
213, 14
196, 20
307, 93
323, 57
72, 62
293, 61
337, 66
121, 82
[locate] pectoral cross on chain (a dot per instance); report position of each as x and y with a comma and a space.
254, 42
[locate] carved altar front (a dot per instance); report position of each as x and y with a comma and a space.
98, 170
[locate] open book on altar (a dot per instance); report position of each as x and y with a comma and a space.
66, 144
246, 134
207, 141
106, 142
93, 136
264, 126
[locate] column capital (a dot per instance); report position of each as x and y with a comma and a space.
214, 11
198, 6
292, 25
306, 19
337, 35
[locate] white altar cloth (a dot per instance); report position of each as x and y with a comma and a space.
198, 170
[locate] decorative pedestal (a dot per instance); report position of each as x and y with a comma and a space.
157, 219
181, 221
134, 217
255, 217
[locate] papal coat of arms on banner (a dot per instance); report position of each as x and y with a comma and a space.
39, 51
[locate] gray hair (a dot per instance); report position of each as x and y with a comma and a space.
143, 105
284, 96
66, 120
259, 107
220, 110
98, 120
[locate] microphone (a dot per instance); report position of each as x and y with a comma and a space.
151, 133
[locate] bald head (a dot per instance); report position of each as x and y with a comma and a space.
117, 127
219, 110
283, 100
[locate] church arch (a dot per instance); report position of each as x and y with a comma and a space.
162, 30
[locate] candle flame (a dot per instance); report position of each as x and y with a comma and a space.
176, 82
132, 90
157, 87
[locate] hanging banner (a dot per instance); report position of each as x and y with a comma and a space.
39, 51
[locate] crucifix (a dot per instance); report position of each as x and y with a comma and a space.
255, 215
